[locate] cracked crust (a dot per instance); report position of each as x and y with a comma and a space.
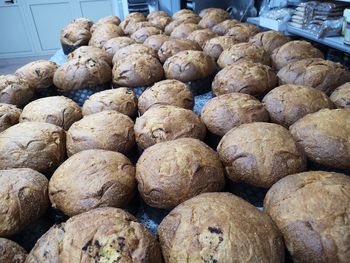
143, 33
122, 100
312, 209
222, 28
212, 17
133, 49
9, 116
215, 46
269, 40
23, 200
341, 96
106, 130
244, 77
117, 43
222, 113
15, 90
183, 30
57, 110
320, 74
161, 22
156, 41
201, 36
11, 252
75, 35
293, 51
173, 46
155, 14
166, 92
167, 123
92, 179
169, 173
219, 227
288, 103
241, 32
103, 33
105, 20
100, 235
325, 137
184, 19
90, 51
260, 154
36, 145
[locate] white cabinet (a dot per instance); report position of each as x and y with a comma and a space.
32, 27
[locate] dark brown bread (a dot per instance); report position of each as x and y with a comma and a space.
184, 30
92, 52
155, 14
11, 252
213, 17
169, 28
105, 20
269, 40
181, 12
219, 227
260, 154
156, 41
15, 90
341, 96
9, 115
128, 25
75, 35
201, 36
222, 28
143, 33
103, 33
215, 46
169, 173
311, 210
134, 49
241, 32
173, 46
116, 43
161, 22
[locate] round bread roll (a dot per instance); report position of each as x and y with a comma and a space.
100, 235
173, 46
131, 18
244, 77
73, 36
82, 72
116, 43
105, 20
213, 18
201, 36
143, 33
288, 103
103, 33
91, 179
189, 65
325, 137
57, 110
161, 22
243, 52
23, 199
137, 70
222, 113
188, 17
169, 173
192, 19
181, 12
9, 116
320, 74
241, 32
260, 154
83, 22
167, 123
106, 130
11, 252
182, 31
311, 210
122, 100
38, 74
222, 28
36, 145
14, 90
166, 92
134, 49
156, 41
341, 96
92, 52
215, 46
154, 14
269, 40
135, 26
292, 52
219, 227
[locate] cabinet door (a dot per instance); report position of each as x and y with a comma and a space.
15, 39
95, 9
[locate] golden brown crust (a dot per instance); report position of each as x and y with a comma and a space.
320, 74
130, 21
213, 17
23, 199
215, 46
167, 123
38, 74
222, 28
11, 252
341, 96
57, 110
244, 77
14, 90
105, 20
137, 70
92, 179
166, 92
189, 65
243, 52
100, 235
155, 14
183, 30
288, 103
92, 52
9, 115
133, 26
213, 10
219, 227
103, 33
222, 113
161, 22
181, 12
201, 36
106, 130
36, 145
241, 32
260, 154
269, 40
169, 28
311, 210
82, 72
293, 51
134, 49
169, 173
122, 100
173, 46
143, 33
325, 137
156, 41
116, 43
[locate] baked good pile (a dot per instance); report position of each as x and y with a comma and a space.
277, 121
